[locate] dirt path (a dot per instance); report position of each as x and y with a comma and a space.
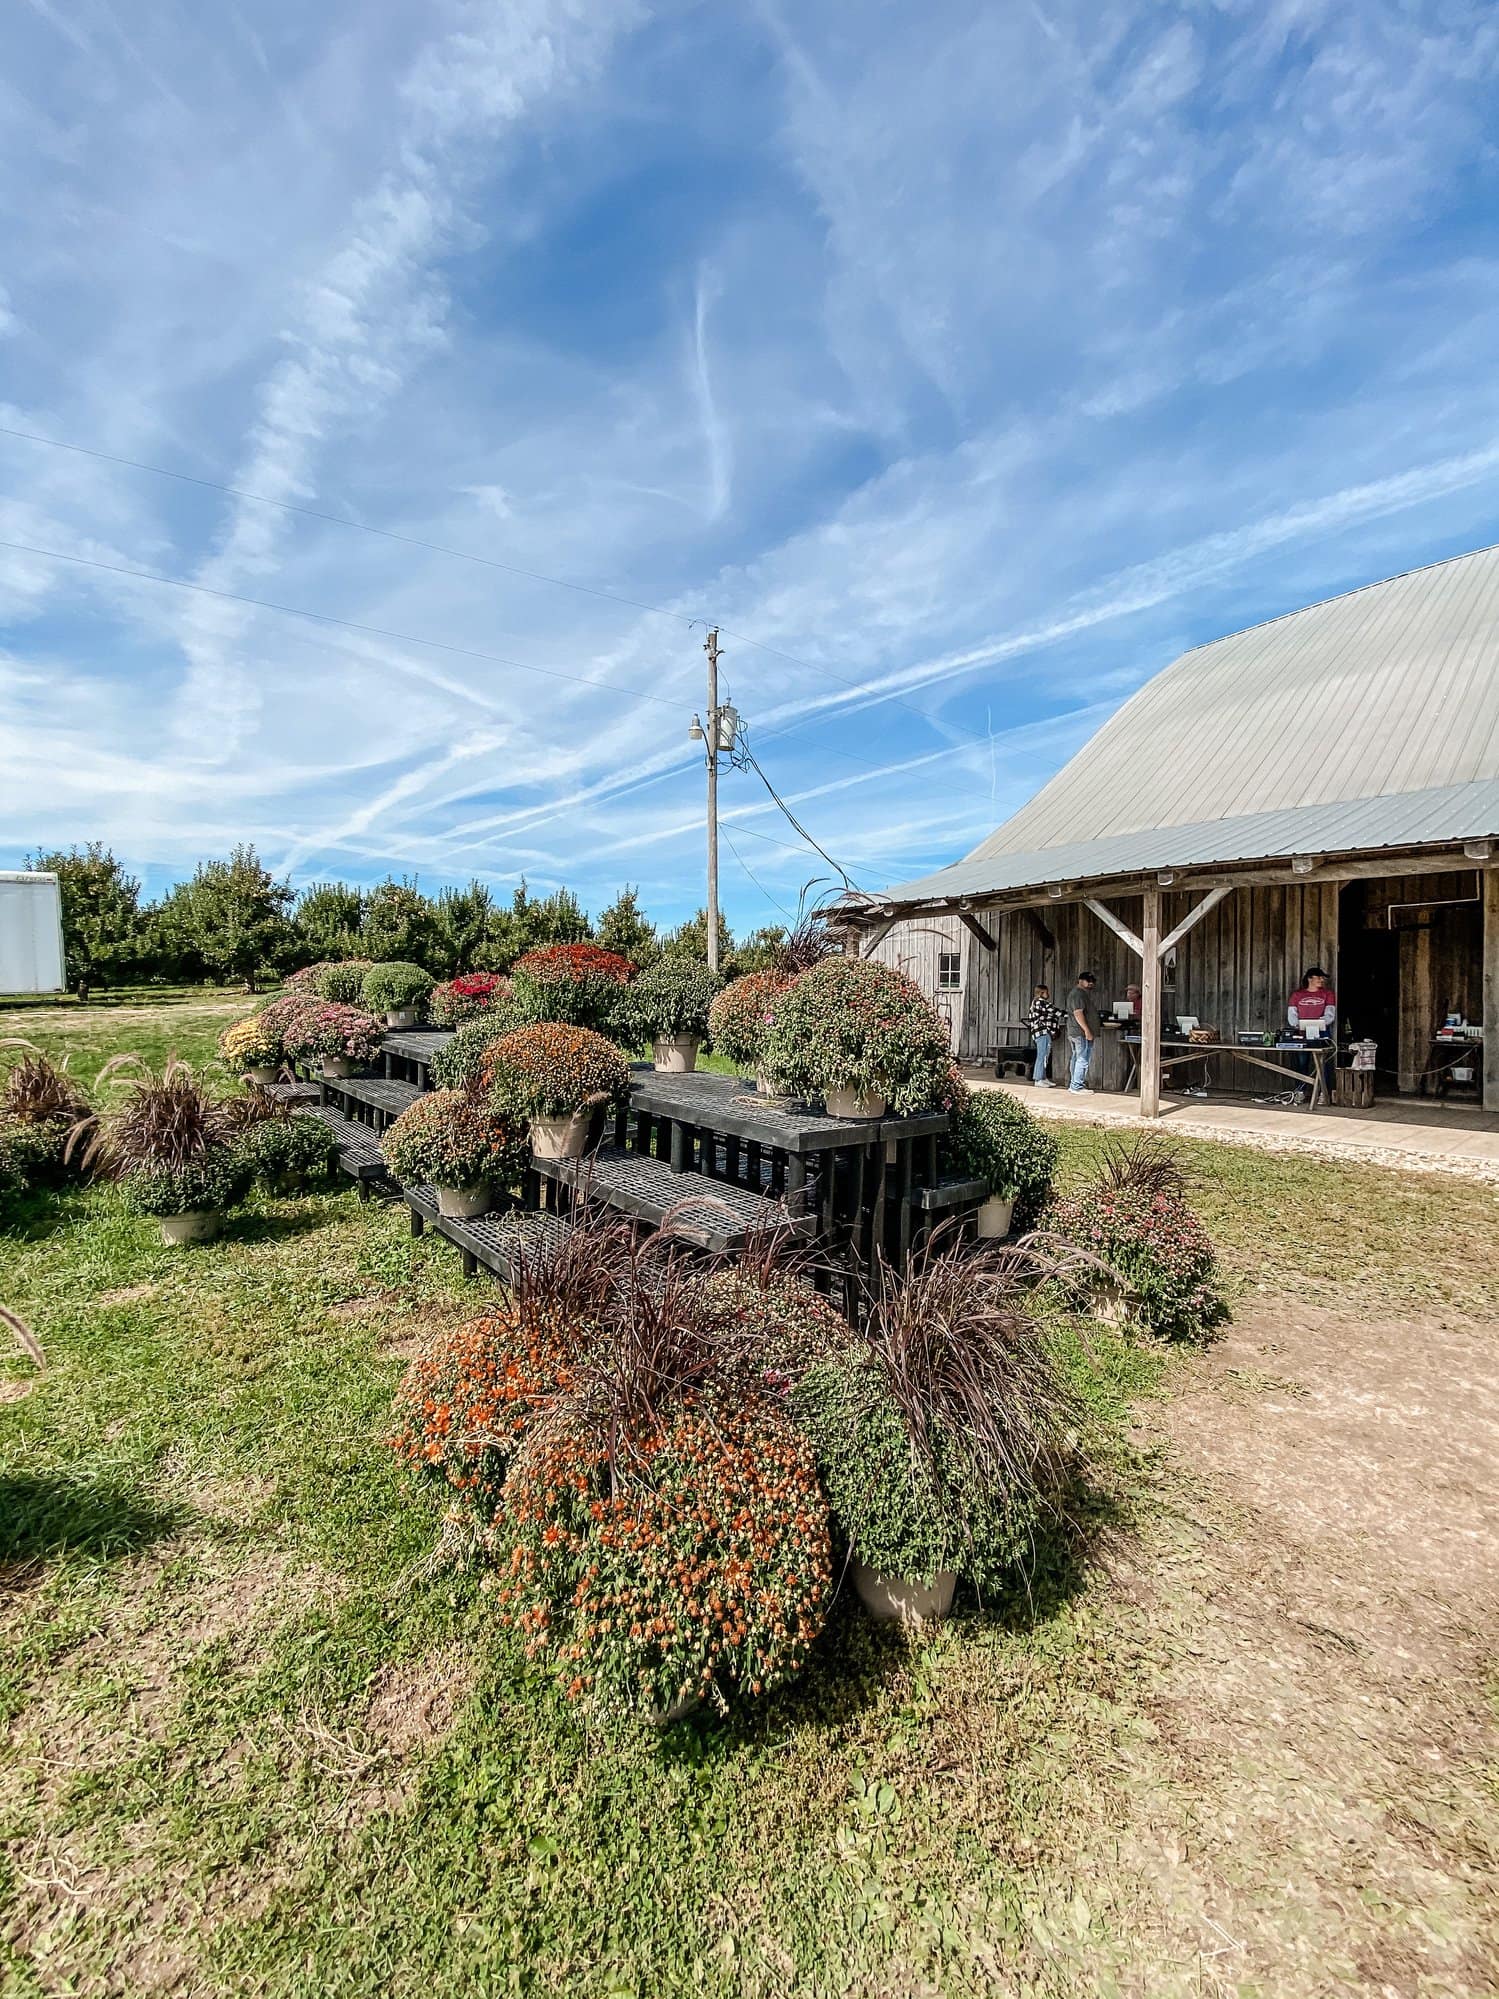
1321, 1814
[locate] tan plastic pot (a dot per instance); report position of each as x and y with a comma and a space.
337, 1065
663, 1717
197, 1225
765, 1083
676, 1054
995, 1216
855, 1104
261, 1076
400, 1016
891, 1599
461, 1204
560, 1137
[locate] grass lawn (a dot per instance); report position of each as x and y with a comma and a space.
261, 1742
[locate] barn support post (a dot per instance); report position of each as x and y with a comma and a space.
1491, 989
1150, 1006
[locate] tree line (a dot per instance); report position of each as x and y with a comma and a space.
234, 922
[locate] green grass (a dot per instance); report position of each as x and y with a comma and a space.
187, 1022
261, 1741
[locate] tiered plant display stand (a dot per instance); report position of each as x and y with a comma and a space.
703, 1151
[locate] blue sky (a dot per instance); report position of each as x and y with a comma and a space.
973, 360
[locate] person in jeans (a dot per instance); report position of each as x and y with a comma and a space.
1044, 1019
1084, 1025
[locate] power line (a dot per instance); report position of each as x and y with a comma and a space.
345, 624
774, 900
458, 554
743, 750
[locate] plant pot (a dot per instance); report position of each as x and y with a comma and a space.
995, 1216
564, 1137
891, 1599
676, 1054
196, 1225
663, 1717
854, 1103
261, 1076
461, 1204
400, 1016
1108, 1302
337, 1065
765, 1083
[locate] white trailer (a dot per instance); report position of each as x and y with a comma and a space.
31, 955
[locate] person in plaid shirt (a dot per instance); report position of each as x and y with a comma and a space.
1044, 1019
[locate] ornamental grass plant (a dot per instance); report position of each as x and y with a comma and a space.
39, 1106
741, 1016
451, 1138
395, 987
170, 1141
855, 1024
945, 1432
471, 996
551, 1069
665, 1539
582, 984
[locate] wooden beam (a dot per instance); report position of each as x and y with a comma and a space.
1042, 929
1150, 1006
1117, 924
877, 937
1417, 1018
1193, 916
1491, 989
972, 923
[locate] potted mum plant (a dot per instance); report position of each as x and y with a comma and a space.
669, 1004
994, 1138
171, 1145
341, 981
1160, 1268
553, 1076
286, 1150
740, 1019
863, 1038
582, 984
452, 1141
396, 989
942, 1434
335, 1036
253, 1047
666, 1540
459, 1063
471, 996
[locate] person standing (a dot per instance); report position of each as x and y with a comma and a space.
1313, 1000
1044, 1019
1084, 1025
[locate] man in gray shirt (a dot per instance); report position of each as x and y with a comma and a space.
1084, 1026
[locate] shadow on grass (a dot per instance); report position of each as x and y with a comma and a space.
47, 1514
248, 1227
856, 1657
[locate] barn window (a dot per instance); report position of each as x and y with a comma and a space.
949, 971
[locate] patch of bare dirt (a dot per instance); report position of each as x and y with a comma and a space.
127, 1294
1319, 1815
414, 1703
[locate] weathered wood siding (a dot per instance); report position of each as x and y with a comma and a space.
1234, 969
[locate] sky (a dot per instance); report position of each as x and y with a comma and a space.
963, 363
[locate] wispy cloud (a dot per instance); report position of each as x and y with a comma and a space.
978, 365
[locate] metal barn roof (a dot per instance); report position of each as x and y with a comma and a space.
1368, 721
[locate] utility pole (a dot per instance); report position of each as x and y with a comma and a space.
711, 648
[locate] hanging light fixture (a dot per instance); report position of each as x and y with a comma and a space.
695, 733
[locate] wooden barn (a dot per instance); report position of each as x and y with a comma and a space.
1319, 790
